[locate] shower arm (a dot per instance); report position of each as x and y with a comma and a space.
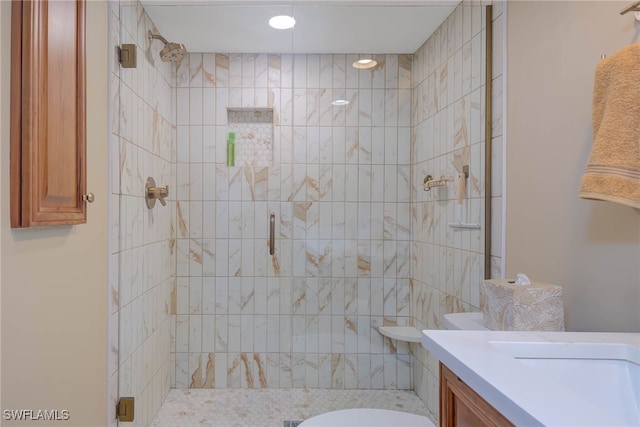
153, 35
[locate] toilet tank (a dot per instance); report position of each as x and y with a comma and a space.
465, 321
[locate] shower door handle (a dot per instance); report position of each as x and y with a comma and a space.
272, 234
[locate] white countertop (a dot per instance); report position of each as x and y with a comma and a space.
530, 396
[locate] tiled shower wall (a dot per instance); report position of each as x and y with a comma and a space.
339, 188
142, 240
448, 132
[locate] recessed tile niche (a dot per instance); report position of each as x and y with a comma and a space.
254, 135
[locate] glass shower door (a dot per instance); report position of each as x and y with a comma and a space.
143, 247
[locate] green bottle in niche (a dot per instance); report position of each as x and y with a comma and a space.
231, 148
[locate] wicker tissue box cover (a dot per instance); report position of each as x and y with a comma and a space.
511, 307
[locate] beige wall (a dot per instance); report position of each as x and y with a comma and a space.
5, 71
54, 305
590, 248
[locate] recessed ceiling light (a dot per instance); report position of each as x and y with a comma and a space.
363, 64
282, 22
340, 102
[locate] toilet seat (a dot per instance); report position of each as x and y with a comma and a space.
367, 417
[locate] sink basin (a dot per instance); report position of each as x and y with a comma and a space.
600, 372
548, 378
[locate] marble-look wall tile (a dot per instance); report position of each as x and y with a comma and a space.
447, 133
339, 188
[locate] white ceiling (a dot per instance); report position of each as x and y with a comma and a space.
321, 26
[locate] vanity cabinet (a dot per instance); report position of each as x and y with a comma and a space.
461, 406
48, 125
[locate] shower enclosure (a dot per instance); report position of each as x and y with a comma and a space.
338, 188
198, 300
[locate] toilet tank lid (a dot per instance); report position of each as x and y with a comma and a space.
468, 321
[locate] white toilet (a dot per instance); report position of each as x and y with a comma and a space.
367, 417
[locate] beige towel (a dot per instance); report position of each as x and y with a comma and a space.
613, 171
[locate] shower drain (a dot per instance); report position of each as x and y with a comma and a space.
291, 423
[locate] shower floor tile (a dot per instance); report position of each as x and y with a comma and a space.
272, 407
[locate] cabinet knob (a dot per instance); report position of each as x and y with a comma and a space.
88, 197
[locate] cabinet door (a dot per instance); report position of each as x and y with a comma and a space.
462, 407
48, 131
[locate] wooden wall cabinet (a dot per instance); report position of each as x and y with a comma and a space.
48, 123
461, 406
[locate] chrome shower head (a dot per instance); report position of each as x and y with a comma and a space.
171, 52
